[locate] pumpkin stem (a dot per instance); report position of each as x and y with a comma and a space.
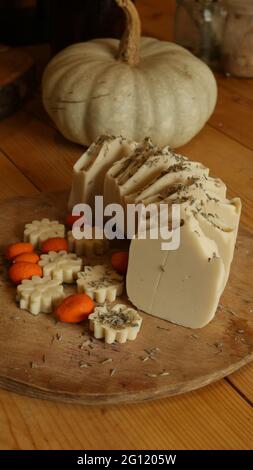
130, 41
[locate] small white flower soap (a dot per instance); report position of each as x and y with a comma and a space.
118, 323
102, 283
88, 246
61, 266
39, 230
39, 295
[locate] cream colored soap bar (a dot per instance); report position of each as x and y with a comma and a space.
118, 323
61, 266
39, 230
217, 216
90, 169
101, 282
141, 176
182, 286
39, 295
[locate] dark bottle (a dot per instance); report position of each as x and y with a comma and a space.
80, 20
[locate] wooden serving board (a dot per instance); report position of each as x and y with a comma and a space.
41, 358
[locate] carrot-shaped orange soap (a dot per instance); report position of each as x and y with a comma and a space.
54, 244
16, 249
71, 219
27, 258
119, 261
18, 272
75, 308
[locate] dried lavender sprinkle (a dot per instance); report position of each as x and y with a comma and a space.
84, 365
106, 361
144, 359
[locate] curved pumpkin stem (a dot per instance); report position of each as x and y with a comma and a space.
129, 49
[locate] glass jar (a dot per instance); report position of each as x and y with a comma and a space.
199, 27
237, 50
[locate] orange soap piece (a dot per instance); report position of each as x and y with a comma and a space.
54, 244
75, 308
119, 261
16, 249
20, 271
27, 258
70, 219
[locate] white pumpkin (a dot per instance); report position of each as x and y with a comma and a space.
136, 88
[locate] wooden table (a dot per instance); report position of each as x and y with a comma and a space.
33, 158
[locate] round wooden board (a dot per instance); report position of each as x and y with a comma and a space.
41, 358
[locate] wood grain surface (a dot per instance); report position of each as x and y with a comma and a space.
219, 416
41, 358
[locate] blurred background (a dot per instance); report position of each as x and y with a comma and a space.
220, 32
26, 22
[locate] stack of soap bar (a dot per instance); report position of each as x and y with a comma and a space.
182, 286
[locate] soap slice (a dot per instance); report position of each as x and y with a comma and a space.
101, 282
185, 188
90, 169
220, 222
118, 323
182, 286
147, 175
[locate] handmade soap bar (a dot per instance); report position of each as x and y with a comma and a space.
182, 286
90, 169
145, 174
101, 282
39, 230
118, 323
39, 294
61, 266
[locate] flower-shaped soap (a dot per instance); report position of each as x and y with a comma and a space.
39, 294
39, 230
102, 283
118, 323
61, 266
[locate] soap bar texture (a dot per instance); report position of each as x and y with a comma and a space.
183, 286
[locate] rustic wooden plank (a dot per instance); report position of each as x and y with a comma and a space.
39, 151
242, 87
212, 418
232, 104
13, 182
243, 380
